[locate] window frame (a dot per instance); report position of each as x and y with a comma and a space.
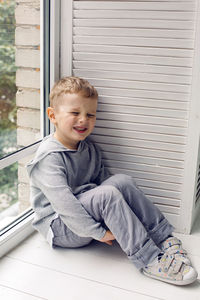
21, 227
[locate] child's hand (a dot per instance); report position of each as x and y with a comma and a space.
108, 238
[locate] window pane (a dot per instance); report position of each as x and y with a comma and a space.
8, 186
8, 133
20, 99
19, 75
14, 191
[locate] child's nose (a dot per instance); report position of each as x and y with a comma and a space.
83, 118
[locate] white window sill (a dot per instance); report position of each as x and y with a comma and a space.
14, 235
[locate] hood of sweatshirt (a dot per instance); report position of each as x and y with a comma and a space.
48, 145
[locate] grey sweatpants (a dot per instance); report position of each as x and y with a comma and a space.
136, 223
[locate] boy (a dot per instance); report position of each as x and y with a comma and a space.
76, 200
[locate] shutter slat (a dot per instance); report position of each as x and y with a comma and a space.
146, 175
138, 68
143, 167
124, 14
134, 32
134, 41
121, 49
142, 119
143, 160
129, 133
141, 151
134, 23
140, 127
165, 208
185, 80
128, 84
139, 59
147, 94
158, 185
141, 5
140, 143
142, 102
142, 111
175, 196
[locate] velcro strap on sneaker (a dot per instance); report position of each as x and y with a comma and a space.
177, 264
174, 250
166, 262
171, 242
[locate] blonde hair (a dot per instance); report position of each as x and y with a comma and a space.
71, 85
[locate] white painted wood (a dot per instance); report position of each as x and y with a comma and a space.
133, 50
173, 219
142, 159
136, 23
143, 0
41, 66
66, 37
147, 59
165, 208
54, 41
187, 6
133, 41
16, 234
12, 294
158, 185
140, 57
54, 46
138, 68
143, 167
139, 143
173, 196
144, 175
128, 133
128, 84
193, 150
11, 159
141, 127
142, 151
111, 90
144, 102
142, 119
129, 14
46, 283
97, 270
134, 32
175, 79
143, 111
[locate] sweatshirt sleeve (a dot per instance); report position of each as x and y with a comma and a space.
49, 176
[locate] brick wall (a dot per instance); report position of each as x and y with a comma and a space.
27, 38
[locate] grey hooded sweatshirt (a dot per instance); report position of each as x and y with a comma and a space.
57, 175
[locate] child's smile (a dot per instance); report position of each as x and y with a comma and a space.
74, 119
80, 129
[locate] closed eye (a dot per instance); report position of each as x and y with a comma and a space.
75, 113
90, 115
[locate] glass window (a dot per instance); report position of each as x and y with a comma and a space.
22, 104
8, 89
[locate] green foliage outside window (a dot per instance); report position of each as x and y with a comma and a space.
8, 142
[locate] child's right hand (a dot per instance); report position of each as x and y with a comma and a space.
108, 238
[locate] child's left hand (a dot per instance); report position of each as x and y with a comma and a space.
108, 238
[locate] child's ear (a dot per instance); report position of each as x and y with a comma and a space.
51, 114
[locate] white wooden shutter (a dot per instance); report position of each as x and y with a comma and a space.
139, 56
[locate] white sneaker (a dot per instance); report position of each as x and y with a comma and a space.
169, 269
173, 245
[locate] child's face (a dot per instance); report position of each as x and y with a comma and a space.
74, 119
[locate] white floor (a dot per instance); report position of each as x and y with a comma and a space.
34, 271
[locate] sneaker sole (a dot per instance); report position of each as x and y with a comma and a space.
175, 282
